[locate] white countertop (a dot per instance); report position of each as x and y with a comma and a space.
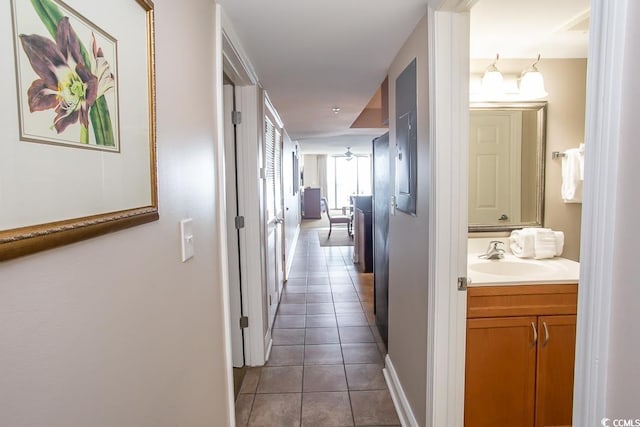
512, 270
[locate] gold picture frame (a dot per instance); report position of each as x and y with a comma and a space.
85, 78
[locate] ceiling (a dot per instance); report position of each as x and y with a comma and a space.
314, 55
524, 28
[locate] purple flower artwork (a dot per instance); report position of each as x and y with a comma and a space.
66, 77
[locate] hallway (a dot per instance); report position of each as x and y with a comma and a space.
325, 367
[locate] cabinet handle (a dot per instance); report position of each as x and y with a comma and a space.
535, 333
546, 334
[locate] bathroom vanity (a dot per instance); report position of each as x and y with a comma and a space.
521, 327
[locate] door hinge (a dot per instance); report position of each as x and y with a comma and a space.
244, 322
236, 117
463, 283
239, 222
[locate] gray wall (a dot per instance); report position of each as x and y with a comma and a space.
409, 242
623, 383
116, 331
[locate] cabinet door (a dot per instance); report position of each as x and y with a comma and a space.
556, 355
500, 372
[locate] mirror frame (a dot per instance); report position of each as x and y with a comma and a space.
541, 108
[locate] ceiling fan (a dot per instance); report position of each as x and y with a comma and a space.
348, 154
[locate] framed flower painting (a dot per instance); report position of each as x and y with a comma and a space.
67, 77
77, 152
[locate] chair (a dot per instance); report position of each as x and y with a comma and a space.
336, 219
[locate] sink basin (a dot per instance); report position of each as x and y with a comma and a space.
515, 268
512, 270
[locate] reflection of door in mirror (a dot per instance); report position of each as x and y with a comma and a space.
494, 166
506, 166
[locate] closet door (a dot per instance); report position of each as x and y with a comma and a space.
273, 215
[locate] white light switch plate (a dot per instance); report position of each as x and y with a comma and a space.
186, 237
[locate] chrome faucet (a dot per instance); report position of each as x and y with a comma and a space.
493, 251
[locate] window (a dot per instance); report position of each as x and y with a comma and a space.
346, 178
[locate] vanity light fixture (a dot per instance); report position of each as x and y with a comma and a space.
492, 80
532, 82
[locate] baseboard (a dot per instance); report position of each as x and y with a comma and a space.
407, 419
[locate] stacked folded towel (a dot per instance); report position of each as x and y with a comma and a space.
522, 243
538, 243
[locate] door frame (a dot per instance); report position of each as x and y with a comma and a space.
248, 139
220, 210
449, 43
608, 28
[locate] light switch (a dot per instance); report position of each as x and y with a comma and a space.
392, 206
186, 236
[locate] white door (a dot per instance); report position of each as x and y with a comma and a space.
235, 298
494, 159
273, 215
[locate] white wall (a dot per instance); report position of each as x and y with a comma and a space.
311, 178
623, 383
116, 331
409, 243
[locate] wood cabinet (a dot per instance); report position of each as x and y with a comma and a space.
554, 379
520, 355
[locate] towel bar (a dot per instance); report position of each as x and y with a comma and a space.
557, 155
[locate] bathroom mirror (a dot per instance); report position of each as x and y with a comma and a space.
506, 165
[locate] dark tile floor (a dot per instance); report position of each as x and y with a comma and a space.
325, 367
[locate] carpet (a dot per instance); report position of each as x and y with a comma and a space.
339, 237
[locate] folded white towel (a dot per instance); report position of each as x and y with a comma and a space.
522, 243
545, 243
539, 243
572, 175
559, 242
